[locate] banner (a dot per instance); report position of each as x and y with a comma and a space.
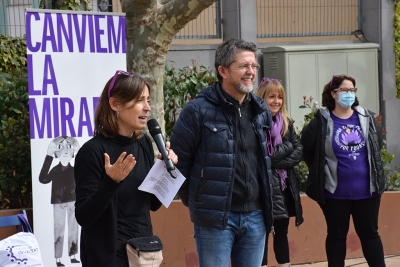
71, 56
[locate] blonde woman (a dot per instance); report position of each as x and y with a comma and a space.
286, 152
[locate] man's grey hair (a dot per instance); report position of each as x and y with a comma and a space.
226, 52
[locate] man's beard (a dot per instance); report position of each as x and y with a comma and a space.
239, 87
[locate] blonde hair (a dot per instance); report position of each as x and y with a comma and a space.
267, 88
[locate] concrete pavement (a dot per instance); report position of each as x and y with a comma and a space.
390, 260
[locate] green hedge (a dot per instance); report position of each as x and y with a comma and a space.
15, 152
12, 54
181, 86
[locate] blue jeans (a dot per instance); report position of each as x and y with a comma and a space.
241, 243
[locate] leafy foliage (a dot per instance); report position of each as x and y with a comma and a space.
392, 173
301, 170
301, 173
180, 87
313, 106
15, 152
67, 4
12, 54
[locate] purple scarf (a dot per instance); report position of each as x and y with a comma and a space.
276, 134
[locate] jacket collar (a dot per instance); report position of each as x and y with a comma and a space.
214, 94
360, 110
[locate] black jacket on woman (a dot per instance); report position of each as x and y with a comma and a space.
313, 139
286, 156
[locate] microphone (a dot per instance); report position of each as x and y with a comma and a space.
155, 131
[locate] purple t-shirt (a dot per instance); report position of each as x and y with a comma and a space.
351, 152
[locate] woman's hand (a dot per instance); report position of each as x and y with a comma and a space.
171, 154
121, 168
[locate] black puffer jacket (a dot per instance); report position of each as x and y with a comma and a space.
313, 140
286, 156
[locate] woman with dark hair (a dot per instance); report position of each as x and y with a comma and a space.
341, 147
286, 152
109, 169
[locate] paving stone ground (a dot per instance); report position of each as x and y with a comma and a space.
390, 260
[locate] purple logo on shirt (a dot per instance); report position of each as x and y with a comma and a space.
350, 138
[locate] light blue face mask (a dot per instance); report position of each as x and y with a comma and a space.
346, 100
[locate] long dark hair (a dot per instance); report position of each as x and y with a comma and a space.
125, 89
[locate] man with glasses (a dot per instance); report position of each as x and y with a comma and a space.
220, 138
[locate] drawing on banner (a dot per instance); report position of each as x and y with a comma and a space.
63, 149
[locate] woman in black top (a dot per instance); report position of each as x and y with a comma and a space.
109, 169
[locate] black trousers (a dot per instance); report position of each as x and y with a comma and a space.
365, 217
280, 238
281, 244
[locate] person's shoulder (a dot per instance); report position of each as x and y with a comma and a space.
291, 123
206, 94
256, 98
97, 139
364, 111
259, 100
322, 112
320, 115
96, 143
205, 99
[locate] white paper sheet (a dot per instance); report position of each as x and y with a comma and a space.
160, 183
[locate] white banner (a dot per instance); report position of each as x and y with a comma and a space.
71, 56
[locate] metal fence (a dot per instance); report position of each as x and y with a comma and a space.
275, 18
293, 18
12, 17
206, 26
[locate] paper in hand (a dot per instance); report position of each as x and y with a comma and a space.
160, 183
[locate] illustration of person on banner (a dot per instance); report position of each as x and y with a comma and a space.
63, 148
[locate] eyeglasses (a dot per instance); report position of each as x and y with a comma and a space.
115, 77
330, 84
340, 91
267, 80
245, 67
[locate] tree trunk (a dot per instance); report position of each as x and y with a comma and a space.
150, 27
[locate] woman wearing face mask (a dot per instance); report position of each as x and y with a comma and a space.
286, 152
341, 147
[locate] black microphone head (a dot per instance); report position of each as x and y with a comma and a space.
153, 127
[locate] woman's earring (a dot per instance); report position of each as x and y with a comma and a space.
117, 114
